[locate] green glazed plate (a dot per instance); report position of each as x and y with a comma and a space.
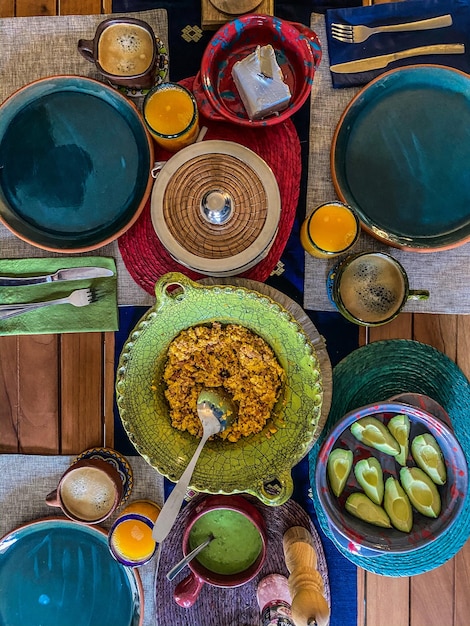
258, 464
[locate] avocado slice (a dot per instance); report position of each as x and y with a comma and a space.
359, 505
339, 466
428, 456
400, 426
369, 475
398, 505
374, 433
421, 491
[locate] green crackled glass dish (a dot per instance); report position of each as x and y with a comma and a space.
259, 464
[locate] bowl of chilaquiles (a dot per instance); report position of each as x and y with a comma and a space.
237, 341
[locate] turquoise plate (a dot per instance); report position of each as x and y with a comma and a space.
55, 572
400, 157
376, 373
75, 163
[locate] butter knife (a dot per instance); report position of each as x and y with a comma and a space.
379, 62
71, 273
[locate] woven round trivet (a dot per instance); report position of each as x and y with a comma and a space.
375, 373
146, 258
201, 175
236, 606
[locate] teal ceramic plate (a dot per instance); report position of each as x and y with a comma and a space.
75, 163
376, 373
259, 464
55, 572
400, 157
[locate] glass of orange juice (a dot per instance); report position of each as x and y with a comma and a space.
330, 230
171, 116
130, 539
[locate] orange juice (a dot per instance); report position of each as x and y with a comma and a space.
130, 539
147, 508
331, 229
171, 116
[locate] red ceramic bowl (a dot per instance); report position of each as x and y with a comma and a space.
298, 53
188, 590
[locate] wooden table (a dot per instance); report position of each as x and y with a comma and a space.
56, 396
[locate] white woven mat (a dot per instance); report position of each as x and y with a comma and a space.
28, 478
444, 273
36, 47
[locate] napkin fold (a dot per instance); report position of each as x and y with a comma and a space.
98, 316
385, 43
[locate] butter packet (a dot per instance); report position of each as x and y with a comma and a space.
258, 79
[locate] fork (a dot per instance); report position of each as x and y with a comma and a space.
357, 34
79, 297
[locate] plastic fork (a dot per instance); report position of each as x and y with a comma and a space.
357, 34
79, 297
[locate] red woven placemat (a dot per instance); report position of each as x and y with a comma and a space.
145, 257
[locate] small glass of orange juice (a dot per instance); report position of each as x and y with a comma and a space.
171, 116
330, 230
130, 539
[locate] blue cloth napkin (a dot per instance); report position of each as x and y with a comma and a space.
384, 43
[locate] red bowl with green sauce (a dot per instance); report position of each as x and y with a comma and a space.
234, 556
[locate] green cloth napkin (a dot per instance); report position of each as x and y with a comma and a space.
98, 316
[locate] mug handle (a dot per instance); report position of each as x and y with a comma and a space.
52, 499
85, 47
418, 294
187, 591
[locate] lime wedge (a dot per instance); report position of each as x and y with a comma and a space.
339, 466
399, 426
428, 456
359, 505
398, 506
369, 475
373, 433
421, 491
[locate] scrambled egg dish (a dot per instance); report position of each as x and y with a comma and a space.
227, 356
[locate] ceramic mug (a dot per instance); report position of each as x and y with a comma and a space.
239, 531
371, 288
124, 51
89, 491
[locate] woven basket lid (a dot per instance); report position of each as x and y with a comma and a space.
375, 373
215, 207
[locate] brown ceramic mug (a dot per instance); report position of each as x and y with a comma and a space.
124, 51
89, 491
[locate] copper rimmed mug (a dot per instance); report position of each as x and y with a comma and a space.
89, 491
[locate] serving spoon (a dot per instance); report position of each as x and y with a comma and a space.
216, 412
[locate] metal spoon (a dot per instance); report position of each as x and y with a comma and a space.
216, 411
189, 557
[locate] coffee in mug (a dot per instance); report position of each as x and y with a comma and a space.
125, 49
89, 491
371, 288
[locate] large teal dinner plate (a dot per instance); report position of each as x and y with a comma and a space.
75, 163
400, 157
55, 572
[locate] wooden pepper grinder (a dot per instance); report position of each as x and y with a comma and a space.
309, 605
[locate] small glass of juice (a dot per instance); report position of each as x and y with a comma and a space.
171, 116
130, 539
331, 229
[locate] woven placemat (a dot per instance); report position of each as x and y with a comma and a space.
377, 372
236, 606
145, 257
201, 175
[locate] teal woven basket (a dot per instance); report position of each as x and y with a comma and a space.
375, 373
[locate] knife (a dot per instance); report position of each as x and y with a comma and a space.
375, 63
71, 273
